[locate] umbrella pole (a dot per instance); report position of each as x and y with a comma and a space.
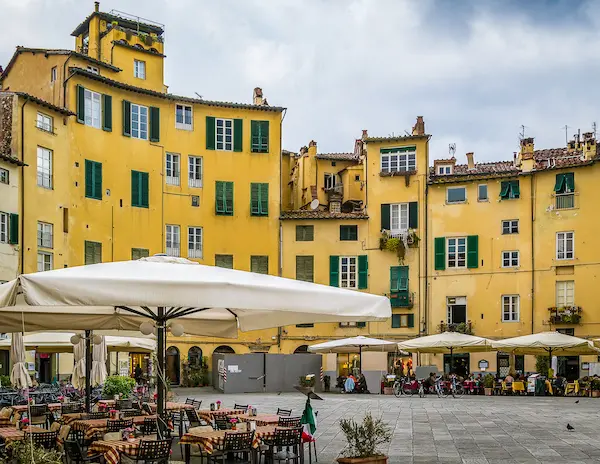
88, 371
161, 371
360, 359
451, 360
549, 361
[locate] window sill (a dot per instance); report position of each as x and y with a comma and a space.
510, 322
185, 127
224, 214
456, 202
174, 181
94, 198
260, 152
195, 185
140, 206
47, 131
397, 173
487, 200
507, 199
564, 262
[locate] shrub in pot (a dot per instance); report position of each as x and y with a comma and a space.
488, 384
363, 441
118, 385
25, 452
595, 387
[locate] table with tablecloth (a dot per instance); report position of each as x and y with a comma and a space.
171, 406
94, 427
112, 449
209, 415
9, 434
260, 419
209, 440
518, 386
471, 386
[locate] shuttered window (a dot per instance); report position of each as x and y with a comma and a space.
399, 216
461, 252
403, 321
509, 189
305, 268
224, 261
138, 253
565, 183
9, 228
399, 294
259, 199
259, 136
305, 233
93, 252
224, 198
348, 271
259, 264
93, 179
107, 113
139, 189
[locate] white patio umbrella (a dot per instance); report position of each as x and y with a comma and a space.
447, 342
60, 342
79, 371
99, 355
207, 300
19, 377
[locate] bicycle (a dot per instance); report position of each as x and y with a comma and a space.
449, 387
405, 386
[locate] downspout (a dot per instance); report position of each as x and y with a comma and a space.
162, 198
426, 248
531, 186
22, 244
64, 102
280, 242
111, 52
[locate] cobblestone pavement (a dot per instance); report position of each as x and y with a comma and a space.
469, 430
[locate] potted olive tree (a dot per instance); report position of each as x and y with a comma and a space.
363, 441
488, 384
595, 388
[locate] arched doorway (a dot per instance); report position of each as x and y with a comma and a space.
225, 349
301, 349
173, 365
195, 357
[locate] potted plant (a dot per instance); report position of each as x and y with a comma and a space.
388, 386
488, 384
118, 385
595, 387
25, 452
363, 441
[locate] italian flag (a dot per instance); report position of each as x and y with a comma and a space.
309, 423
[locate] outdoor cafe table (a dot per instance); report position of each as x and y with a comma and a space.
171, 406
8, 434
209, 415
112, 449
94, 427
260, 419
23, 407
209, 440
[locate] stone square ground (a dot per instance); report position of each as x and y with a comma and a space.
469, 430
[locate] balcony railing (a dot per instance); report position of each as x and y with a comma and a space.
565, 315
565, 200
462, 327
173, 250
401, 299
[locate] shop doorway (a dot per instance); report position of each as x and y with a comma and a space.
173, 365
224, 349
4, 362
458, 364
568, 367
44, 368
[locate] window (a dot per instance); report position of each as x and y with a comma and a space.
195, 242
563, 189
305, 268
44, 167
565, 245
195, 171
195, 201
259, 264
53, 74
358, 325
301, 326
93, 252
91, 108
224, 134
348, 272
348, 233
3, 228
357, 177
139, 69
443, 170
259, 199
139, 189
482, 192
305, 233
329, 181
565, 293
44, 122
510, 226
224, 261
4, 176
456, 195
139, 122
183, 117
44, 261
139, 253
260, 136
510, 259
93, 69
399, 216
399, 295
510, 308
224, 198
172, 242
398, 159
44, 235
457, 252
403, 321
172, 169
509, 190
93, 180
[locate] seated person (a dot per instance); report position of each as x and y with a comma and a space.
429, 382
509, 379
361, 384
349, 384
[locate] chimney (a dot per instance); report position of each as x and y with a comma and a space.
470, 161
303, 151
419, 127
589, 146
527, 148
96, 7
257, 96
365, 134
312, 148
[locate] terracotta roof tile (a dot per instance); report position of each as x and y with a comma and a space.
125, 22
462, 171
555, 158
316, 214
39, 101
337, 156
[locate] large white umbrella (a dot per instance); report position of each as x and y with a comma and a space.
99, 355
60, 342
79, 372
19, 377
207, 300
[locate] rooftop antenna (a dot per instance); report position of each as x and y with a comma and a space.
451, 149
522, 133
566, 128
198, 95
594, 129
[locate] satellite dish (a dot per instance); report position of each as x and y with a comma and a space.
314, 204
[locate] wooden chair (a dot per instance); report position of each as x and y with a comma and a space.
75, 455
149, 452
239, 443
284, 412
572, 388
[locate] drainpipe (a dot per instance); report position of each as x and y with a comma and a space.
162, 198
64, 76
531, 186
22, 244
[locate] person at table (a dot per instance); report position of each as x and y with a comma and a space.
349, 384
138, 374
361, 384
429, 382
509, 378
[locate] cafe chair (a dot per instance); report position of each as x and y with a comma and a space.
97, 415
189, 401
221, 422
124, 404
193, 418
238, 443
149, 452
149, 427
147, 409
70, 408
284, 412
118, 425
75, 455
38, 414
286, 446
241, 406
129, 412
44, 439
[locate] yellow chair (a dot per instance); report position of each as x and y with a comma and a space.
572, 388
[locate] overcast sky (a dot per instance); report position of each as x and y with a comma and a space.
475, 69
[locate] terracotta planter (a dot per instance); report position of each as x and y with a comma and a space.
369, 460
595, 394
488, 391
387, 391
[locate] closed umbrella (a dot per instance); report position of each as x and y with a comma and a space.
99, 362
19, 377
78, 379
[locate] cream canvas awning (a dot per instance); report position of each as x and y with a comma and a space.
60, 342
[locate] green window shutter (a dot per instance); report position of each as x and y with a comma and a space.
560, 183
210, 133
13, 228
395, 321
145, 189
264, 199
238, 134
154, 124
97, 181
411, 320
570, 181
264, 136
334, 271
126, 118
361, 325
254, 199
219, 197
229, 198
505, 190
89, 169
394, 278
344, 233
80, 104
305, 268
514, 187
472, 251
348, 233
93, 180
305, 233
107, 113
403, 278
135, 188
88, 253
413, 215
259, 264
385, 217
363, 271
440, 253
259, 136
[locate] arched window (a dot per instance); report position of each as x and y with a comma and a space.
195, 357
173, 365
224, 349
301, 349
